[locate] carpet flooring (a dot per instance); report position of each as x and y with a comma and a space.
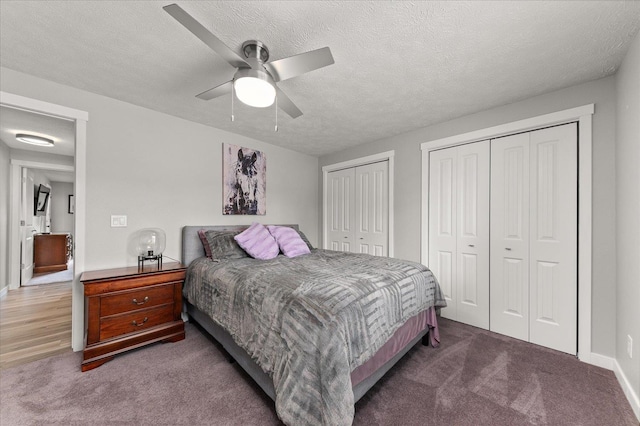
475, 378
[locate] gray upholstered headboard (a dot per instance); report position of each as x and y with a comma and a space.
192, 246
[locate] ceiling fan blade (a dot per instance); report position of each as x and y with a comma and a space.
287, 105
293, 66
220, 90
206, 36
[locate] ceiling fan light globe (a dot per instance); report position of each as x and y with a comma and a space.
255, 92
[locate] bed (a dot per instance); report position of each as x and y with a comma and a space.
315, 332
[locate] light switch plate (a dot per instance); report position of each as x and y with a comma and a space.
118, 221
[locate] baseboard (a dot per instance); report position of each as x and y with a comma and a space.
602, 361
632, 397
4, 291
612, 364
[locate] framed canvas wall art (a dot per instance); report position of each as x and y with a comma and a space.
244, 180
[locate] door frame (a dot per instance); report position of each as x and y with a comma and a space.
375, 158
17, 166
584, 116
80, 119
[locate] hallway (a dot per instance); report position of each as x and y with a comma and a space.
35, 323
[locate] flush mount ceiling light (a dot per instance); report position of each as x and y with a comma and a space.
34, 140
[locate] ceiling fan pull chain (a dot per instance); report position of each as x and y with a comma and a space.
276, 112
232, 96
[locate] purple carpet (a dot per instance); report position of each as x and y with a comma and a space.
474, 378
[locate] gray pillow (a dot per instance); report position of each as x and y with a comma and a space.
304, 238
223, 246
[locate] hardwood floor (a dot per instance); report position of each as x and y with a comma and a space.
35, 323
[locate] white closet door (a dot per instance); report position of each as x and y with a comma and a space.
509, 245
472, 230
341, 212
554, 240
459, 230
372, 209
442, 224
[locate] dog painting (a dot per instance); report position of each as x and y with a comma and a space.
244, 183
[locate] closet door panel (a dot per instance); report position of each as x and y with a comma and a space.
509, 242
472, 273
341, 212
372, 215
442, 224
554, 209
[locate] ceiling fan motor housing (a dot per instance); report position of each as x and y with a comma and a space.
255, 49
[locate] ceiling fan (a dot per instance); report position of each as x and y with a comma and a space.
254, 81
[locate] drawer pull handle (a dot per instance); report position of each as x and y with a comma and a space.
135, 323
145, 300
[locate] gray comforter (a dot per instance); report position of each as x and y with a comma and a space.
309, 321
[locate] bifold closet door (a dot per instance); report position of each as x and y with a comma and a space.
358, 209
459, 230
554, 238
341, 211
534, 237
372, 209
442, 225
510, 236
472, 242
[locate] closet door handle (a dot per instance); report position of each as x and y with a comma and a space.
508, 248
471, 245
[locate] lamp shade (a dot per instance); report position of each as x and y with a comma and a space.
254, 88
148, 242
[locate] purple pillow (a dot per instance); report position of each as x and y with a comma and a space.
289, 241
205, 244
258, 242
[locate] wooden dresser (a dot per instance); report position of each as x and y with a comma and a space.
127, 308
50, 252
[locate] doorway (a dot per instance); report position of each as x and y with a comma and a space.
79, 120
46, 232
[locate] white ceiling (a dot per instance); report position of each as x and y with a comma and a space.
398, 66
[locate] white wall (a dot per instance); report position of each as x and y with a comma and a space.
628, 217
61, 219
408, 177
163, 171
5, 162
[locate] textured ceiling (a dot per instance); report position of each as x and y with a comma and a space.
398, 66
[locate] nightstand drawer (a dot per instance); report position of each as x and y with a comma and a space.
138, 299
135, 321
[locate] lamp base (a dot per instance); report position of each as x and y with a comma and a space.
150, 258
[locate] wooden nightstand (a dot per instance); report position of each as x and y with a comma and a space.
127, 308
